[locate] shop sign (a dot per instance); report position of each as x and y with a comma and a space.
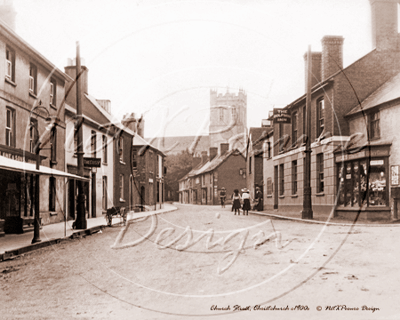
376, 162
15, 157
395, 175
281, 116
92, 162
362, 154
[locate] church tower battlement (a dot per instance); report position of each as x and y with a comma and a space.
228, 116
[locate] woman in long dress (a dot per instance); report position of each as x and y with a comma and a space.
236, 201
246, 201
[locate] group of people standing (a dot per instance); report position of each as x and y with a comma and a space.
242, 201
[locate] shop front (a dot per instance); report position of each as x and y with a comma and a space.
363, 184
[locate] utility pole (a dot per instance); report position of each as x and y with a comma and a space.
80, 221
36, 221
307, 212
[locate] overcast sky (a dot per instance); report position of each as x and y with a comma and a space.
161, 58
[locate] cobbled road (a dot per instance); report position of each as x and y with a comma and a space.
203, 262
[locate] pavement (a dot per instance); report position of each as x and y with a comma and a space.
58, 231
14, 244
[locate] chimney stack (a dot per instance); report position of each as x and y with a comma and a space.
71, 71
316, 58
224, 148
204, 157
332, 55
213, 152
384, 24
8, 13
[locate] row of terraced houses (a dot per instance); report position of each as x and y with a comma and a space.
38, 103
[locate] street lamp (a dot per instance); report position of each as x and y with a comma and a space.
40, 142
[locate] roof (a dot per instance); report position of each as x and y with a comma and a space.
389, 91
259, 134
139, 141
114, 121
178, 144
19, 166
216, 162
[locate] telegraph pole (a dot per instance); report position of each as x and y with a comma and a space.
307, 212
80, 222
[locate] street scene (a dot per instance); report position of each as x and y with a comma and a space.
195, 159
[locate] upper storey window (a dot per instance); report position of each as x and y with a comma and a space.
32, 78
10, 64
320, 116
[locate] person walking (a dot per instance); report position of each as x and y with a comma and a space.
222, 196
236, 201
246, 201
259, 200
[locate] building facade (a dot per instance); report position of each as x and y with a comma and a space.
31, 100
336, 92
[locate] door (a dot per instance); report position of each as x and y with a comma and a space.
275, 186
93, 195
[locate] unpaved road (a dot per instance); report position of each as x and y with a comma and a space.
250, 262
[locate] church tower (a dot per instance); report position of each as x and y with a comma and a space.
228, 118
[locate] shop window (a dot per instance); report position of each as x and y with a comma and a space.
320, 172
281, 180
363, 183
52, 194
294, 177
374, 125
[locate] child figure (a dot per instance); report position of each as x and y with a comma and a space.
246, 201
236, 201
222, 196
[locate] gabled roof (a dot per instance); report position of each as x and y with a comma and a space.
140, 142
389, 91
216, 162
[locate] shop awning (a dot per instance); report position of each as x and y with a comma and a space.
19, 166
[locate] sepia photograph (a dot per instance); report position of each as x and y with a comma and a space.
199, 159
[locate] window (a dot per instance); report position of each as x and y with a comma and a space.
233, 114
52, 194
281, 180
250, 162
121, 187
269, 186
53, 92
121, 148
33, 135
294, 129
320, 172
104, 199
221, 114
134, 159
93, 143
104, 148
75, 142
268, 149
281, 142
32, 78
10, 127
53, 146
320, 116
374, 125
294, 177
10, 64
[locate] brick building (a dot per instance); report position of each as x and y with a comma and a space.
336, 92
203, 183
31, 98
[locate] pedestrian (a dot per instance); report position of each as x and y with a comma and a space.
236, 201
222, 196
259, 200
246, 201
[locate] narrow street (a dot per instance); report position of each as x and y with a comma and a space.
286, 264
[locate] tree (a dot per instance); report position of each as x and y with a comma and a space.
178, 165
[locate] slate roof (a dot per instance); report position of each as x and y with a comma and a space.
389, 91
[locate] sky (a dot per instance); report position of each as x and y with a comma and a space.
161, 58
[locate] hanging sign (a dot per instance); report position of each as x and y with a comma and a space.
92, 162
281, 116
